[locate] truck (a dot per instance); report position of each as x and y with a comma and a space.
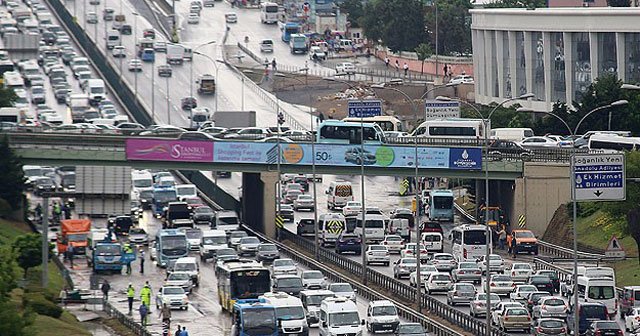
206, 84
298, 44
77, 105
229, 119
108, 256
254, 317
178, 214
288, 29
103, 191
76, 233
175, 53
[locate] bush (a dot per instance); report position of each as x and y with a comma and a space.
39, 304
5, 208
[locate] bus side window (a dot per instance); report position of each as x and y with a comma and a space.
354, 136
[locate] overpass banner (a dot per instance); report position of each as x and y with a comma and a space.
302, 154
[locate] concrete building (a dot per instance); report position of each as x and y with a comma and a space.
554, 53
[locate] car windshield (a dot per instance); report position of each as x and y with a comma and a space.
527, 289
483, 297
225, 252
501, 278
394, 238
601, 292
203, 210
259, 321
250, 240
290, 282
268, 248
443, 257
441, 277
554, 302
539, 279
137, 231
108, 250
344, 319
410, 329
341, 288
312, 275
469, 265
184, 267
377, 248
522, 266
283, 263
517, 312
384, 311
238, 234
408, 261
214, 240
290, 313
593, 311
316, 300
525, 234
607, 325
193, 234
305, 198
228, 220
178, 276
173, 291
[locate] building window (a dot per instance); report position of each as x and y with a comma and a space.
494, 65
506, 66
538, 65
607, 54
521, 74
632, 57
558, 82
581, 64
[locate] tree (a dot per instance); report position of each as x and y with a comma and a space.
12, 177
397, 24
619, 3
517, 4
424, 51
454, 26
28, 250
7, 272
7, 97
355, 10
12, 322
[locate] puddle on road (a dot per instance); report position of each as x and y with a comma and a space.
97, 329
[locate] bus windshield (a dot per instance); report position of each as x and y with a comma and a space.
176, 245
442, 202
164, 195
250, 284
108, 250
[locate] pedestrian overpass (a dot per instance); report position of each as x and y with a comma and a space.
533, 189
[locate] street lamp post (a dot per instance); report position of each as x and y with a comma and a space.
135, 35
574, 202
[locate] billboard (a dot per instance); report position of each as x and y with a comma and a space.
437, 109
302, 154
364, 108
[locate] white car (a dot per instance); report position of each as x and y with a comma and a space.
193, 18
179, 279
352, 208
377, 254
425, 271
438, 282
539, 141
119, 52
316, 53
135, 65
521, 292
444, 262
266, 46
313, 280
520, 272
501, 284
461, 79
92, 17
231, 18
410, 252
283, 266
382, 315
343, 289
346, 68
394, 243
175, 297
496, 264
632, 320
303, 202
495, 313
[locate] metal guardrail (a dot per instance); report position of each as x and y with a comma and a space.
376, 75
563, 274
135, 327
397, 288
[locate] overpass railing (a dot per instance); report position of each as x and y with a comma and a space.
563, 274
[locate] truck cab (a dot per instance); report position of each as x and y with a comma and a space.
74, 232
254, 317
289, 313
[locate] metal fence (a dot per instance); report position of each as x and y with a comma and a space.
563, 273
126, 320
373, 74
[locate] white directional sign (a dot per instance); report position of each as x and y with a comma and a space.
599, 177
437, 109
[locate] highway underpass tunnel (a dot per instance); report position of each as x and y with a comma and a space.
501, 201
259, 201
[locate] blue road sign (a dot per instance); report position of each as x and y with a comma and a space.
365, 108
599, 177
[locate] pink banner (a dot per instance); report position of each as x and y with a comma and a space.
169, 150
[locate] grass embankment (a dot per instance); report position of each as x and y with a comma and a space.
593, 231
66, 324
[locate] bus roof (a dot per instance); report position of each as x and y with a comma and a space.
241, 264
345, 123
441, 192
171, 232
469, 227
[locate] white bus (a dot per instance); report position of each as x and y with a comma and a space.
268, 12
387, 123
600, 290
468, 242
454, 128
336, 131
613, 142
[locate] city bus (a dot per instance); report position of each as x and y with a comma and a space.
441, 205
335, 131
269, 12
613, 142
162, 195
170, 245
288, 29
386, 123
240, 279
468, 242
453, 128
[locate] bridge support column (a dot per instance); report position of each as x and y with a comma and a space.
259, 201
269, 192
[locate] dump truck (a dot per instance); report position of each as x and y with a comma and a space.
76, 233
108, 256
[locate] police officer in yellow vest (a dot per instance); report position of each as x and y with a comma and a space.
145, 294
128, 250
131, 293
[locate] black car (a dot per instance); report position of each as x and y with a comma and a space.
549, 326
303, 181
604, 328
348, 242
286, 211
202, 215
410, 329
223, 174
499, 149
306, 227
553, 275
44, 184
126, 29
542, 283
122, 225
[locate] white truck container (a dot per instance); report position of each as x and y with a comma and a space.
175, 53
103, 190
96, 90
230, 119
78, 104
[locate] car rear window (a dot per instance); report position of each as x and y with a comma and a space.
594, 311
608, 325
551, 324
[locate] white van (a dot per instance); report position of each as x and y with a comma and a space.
600, 290
289, 313
374, 227
188, 265
339, 316
330, 226
382, 315
113, 39
184, 191
226, 220
211, 241
513, 134
599, 272
432, 241
338, 194
96, 90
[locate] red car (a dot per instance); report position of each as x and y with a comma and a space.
149, 33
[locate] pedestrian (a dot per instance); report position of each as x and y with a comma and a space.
67, 211
131, 293
145, 294
184, 331
63, 296
105, 290
38, 212
320, 117
406, 68
143, 314
128, 250
514, 246
274, 64
141, 261
445, 71
177, 333
165, 315
386, 62
70, 252
502, 238
331, 113
397, 66
509, 238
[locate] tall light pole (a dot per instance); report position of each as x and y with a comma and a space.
489, 239
135, 42
574, 202
313, 167
191, 79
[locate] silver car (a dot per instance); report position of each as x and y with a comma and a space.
444, 262
180, 279
343, 289
467, 271
313, 280
500, 284
267, 252
283, 266
550, 306
404, 267
248, 246
478, 307
461, 293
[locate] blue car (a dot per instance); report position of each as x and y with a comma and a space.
148, 55
348, 242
